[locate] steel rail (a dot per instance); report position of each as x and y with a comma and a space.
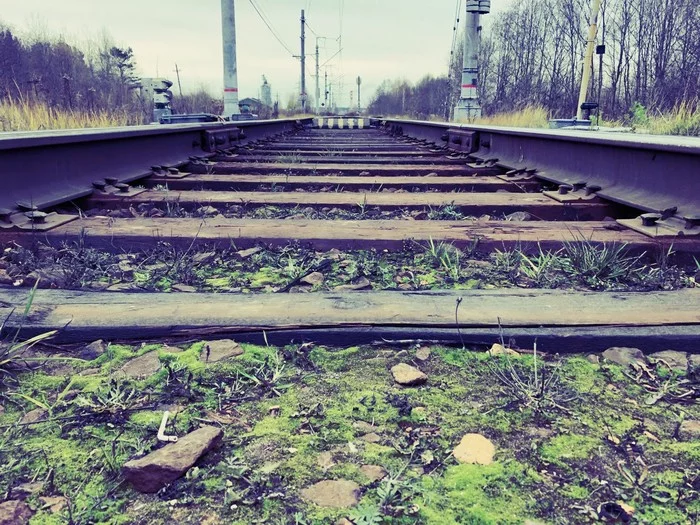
652, 173
45, 168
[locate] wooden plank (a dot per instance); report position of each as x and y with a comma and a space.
330, 169
301, 157
90, 315
475, 204
241, 182
343, 152
120, 234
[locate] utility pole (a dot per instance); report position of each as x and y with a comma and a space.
318, 88
359, 105
228, 28
588, 58
303, 62
179, 86
325, 90
468, 107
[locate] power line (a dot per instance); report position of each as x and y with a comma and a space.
269, 26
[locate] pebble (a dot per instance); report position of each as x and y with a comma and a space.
408, 375
475, 448
337, 494
625, 356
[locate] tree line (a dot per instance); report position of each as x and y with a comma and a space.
63, 76
532, 53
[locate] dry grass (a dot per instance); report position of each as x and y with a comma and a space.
684, 119
21, 115
528, 117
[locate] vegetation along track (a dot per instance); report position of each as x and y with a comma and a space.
306, 269
403, 230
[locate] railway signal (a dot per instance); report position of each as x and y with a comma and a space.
156, 94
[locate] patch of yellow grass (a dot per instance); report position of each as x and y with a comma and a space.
528, 117
684, 119
25, 116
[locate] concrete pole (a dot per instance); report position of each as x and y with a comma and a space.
303, 62
318, 87
468, 107
588, 57
228, 29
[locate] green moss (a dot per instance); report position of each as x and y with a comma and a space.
333, 360
582, 375
661, 514
567, 447
477, 494
575, 492
266, 276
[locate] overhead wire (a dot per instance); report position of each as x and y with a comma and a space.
269, 26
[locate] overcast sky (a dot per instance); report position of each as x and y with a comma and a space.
381, 39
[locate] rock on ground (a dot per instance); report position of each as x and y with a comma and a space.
337, 494
677, 361
689, 430
157, 469
408, 375
34, 416
371, 437
499, 349
625, 356
313, 278
14, 512
423, 353
219, 350
93, 350
373, 472
147, 364
474, 448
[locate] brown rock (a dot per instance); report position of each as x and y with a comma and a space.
689, 430
54, 503
157, 469
204, 257
423, 353
5, 277
123, 287
24, 490
313, 278
372, 437
325, 460
363, 426
360, 284
593, 359
373, 472
408, 375
184, 288
499, 349
219, 350
474, 448
337, 494
93, 350
34, 416
14, 512
676, 361
244, 254
147, 364
625, 356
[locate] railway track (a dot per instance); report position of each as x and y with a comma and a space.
464, 195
